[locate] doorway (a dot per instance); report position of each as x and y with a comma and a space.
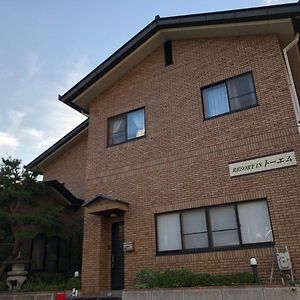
117, 256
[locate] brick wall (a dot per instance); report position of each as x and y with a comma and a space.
183, 160
69, 167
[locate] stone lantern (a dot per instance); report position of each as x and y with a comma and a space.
18, 275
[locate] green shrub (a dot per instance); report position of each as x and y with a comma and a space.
224, 279
185, 278
3, 286
73, 283
145, 278
173, 278
40, 287
202, 279
50, 281
50, 278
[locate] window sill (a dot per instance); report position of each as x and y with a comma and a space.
230, 113
216, 249
128, 141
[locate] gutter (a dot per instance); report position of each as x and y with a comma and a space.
292, 87
221, 17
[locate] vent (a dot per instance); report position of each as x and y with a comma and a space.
168, 53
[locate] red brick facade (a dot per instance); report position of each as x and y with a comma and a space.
69, 167
183, 160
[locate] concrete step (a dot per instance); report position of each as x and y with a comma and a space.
97, 298
101, 298
104, 295
110, 298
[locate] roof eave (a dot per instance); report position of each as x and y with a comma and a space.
59, 144
65, 193
101, 197
223, 17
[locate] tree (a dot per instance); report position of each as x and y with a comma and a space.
22, 215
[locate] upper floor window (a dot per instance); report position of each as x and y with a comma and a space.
217, 227
229, 96
126, 127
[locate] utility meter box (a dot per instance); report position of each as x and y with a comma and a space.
128, 246
284, 261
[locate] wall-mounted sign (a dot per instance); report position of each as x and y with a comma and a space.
261, 164
128, 246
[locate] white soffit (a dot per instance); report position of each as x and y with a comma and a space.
283, 28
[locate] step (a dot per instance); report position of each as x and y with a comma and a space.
96, 298
104, 295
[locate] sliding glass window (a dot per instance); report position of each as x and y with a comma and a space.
219, 227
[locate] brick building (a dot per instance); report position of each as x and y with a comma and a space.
183, 120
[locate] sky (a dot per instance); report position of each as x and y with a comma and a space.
47, 46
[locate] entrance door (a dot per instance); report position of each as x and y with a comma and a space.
117, 256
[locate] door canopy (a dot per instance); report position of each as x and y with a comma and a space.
105, 205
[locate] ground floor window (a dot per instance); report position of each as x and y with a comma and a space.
217, 227
50, 254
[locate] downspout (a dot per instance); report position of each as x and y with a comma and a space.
291, 79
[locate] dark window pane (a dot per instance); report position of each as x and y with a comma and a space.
224, 226
225, 238
194, 221
194, 229
64, 255
215, 100
199, 240
117, 130
240, 85
25, 249
117, 138
243, 102
37, 257
117, 124
222, 217
135, 124
51, 254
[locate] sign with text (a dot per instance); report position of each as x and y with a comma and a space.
262, 164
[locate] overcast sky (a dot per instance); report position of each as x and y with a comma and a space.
47, 46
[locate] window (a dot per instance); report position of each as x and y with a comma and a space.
38, 253
258, 229
194, 229
215, 228
229, 96
169, 232
126, 127
50, 254
224, 226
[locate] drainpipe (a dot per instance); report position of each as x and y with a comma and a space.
291, 79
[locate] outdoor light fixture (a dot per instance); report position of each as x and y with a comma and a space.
253, 264
76, 274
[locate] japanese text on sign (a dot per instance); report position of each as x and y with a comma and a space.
263, 164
